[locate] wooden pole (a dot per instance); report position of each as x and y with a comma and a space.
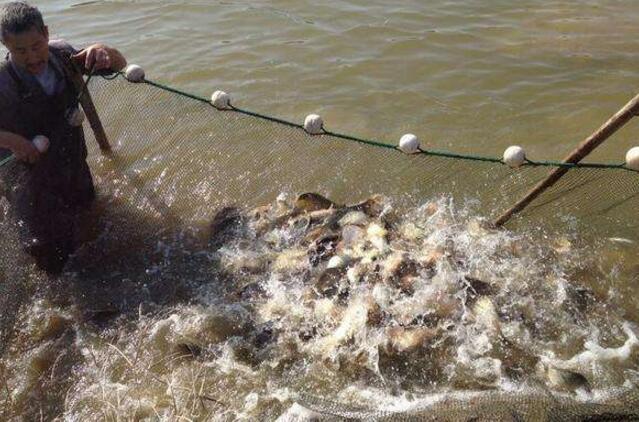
87, 105
613, 124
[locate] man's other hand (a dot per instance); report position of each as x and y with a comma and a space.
24, 150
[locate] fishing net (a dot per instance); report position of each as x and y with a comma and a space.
176, 161
523, 405
201, 158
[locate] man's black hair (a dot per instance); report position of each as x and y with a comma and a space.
17, 17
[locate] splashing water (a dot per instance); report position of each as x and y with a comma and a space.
276, 307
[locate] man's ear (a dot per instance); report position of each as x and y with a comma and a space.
46, 32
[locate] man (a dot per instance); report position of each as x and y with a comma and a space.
48, 190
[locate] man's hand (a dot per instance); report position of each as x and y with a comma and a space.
100, 57
95, 57
24, 150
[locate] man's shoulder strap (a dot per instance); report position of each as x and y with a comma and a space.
61, 56
64, 63
62, 52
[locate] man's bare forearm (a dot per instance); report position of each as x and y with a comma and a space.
9, 140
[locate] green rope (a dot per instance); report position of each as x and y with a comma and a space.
360, 140
447, 154
444, 154
572, 165
175, 91
262, 116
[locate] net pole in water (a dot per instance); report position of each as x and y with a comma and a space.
87, 105
616, 122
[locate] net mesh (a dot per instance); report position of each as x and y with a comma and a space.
202, 159
218, 158
526, 405
177, 160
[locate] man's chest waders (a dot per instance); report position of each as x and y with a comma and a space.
48, 195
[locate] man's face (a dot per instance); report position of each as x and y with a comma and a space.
29, 49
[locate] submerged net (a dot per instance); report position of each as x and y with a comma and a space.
196, 308
226, 157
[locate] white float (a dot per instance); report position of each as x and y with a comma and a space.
41, 143
514, 156
313, 124
221, 100
409, 144
134, 73
632, 158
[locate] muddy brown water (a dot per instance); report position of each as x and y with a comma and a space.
154, 320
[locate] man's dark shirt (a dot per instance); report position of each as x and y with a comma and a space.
46, 196
9, 95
